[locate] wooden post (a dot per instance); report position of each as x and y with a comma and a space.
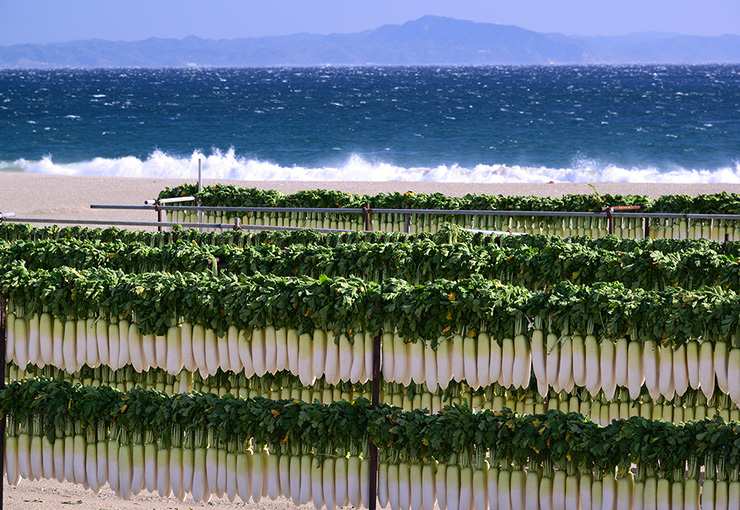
3, 339
375, 402
367, 212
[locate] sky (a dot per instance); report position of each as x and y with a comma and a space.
46, 21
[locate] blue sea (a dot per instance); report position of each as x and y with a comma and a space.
441, 124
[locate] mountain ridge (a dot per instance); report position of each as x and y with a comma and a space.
429, 40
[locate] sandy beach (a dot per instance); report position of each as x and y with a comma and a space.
63, 197
40, 196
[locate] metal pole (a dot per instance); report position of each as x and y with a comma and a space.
647, 227
200, 187
407, 222
3, 324
375, 403
610, 220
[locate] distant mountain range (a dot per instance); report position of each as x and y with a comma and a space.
425, 41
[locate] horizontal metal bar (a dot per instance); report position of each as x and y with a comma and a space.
447, 212
7, 215
223, 226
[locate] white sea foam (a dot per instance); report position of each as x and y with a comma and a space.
227, 165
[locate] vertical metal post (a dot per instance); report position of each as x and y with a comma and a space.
160, 215
200, 187
647, 227
407, 222
610, 220
375, 403
366, 213
3, 324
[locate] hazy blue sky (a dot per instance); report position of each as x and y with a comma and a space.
43, 21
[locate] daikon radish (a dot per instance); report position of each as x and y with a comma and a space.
665, 374
522, 367
211, 346
358, 358
720, 366
621, 361
318, 356
430, 368
305, 361
552, 360
245, 352
331, 364
680, 370
34, 340
444, 363
539, 356
388, 366
186, 351
46, 338
706, 369
593, 365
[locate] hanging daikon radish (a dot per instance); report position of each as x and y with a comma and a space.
444, 362
440, 485
257, 344
46, 338
692, 363
80, 343
635, 373
578, 349
358, 358
522, 366
245, 352
428, 491
720, 365
607, 368
20, 331
212, 351
539, 355
68, 347
305, 361
186, 347
706, 369
331, 364
319, 353
342, 474
270, 336
134, 346
651, 363
102, 329
506, 379
552, 360
281, 349
495, 369
458, 360
565, 368
388, 361
418, 364
621, 361
665, 375
593, 365
430, 368
174, 363
733, 374
680, 370
34, 341
483, 360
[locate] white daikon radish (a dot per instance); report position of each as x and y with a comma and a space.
318, 357
212, 343
706, 369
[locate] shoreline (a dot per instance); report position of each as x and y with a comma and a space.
60, 197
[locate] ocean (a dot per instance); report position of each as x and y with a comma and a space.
442, 124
